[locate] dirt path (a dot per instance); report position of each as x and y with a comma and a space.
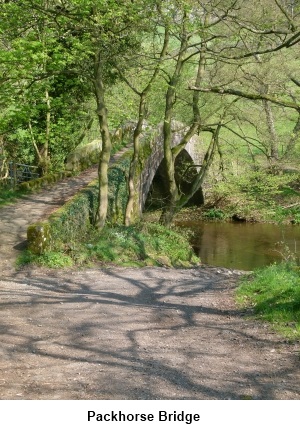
149, 333
15, 218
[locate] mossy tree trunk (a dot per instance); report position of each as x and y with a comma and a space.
170, 153
132, 180
293, 138
132, 208
273, 147
169, 156
198, 181
106, 142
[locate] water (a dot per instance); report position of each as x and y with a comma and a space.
241, 245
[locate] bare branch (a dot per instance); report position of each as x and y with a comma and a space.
229, 91
286, 14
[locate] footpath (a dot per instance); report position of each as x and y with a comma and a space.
128, 333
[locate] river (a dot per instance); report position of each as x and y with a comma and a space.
243, 246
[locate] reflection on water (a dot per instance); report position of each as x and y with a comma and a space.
242, 246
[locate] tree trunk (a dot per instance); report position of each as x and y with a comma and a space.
169, 153
169, 158
133, 198
106, 144
198, 181
293, 139
45, 149
134, 162
272, 132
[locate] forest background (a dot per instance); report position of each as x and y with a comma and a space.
72, 71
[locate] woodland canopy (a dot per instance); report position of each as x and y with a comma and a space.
72, 71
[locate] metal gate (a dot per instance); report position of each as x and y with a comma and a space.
18, 173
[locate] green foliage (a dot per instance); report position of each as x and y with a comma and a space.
254, 196
214, 214
54, 260
273, 294
39, 84
289, 214
47, 65
263, 186
138, 245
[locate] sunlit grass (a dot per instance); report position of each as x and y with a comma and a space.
274, 295
140, 245
50, 259
8, 196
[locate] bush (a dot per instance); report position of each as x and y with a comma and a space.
216, 214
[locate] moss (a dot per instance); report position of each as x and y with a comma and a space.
73, 221
38, 183
24, 186
118, 191
66, 225
39, 237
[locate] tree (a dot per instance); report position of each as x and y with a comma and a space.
142, 113
40, 96
208, 59
90, 36
259, 68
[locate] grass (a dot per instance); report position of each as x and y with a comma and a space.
273, 293
147, 244
140, 245
9, 196
54, 260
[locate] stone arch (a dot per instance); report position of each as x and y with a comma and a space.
185, 172
152, 166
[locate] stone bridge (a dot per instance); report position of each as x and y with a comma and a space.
151, 178
75, 216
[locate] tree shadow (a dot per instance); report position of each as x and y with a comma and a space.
153, 337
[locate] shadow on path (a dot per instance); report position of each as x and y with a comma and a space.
137, 334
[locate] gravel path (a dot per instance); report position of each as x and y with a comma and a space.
112, 333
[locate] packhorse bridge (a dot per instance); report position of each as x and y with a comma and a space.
150, 180
75, 217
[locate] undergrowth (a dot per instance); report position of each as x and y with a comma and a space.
54, 260
146, 244
254, 196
